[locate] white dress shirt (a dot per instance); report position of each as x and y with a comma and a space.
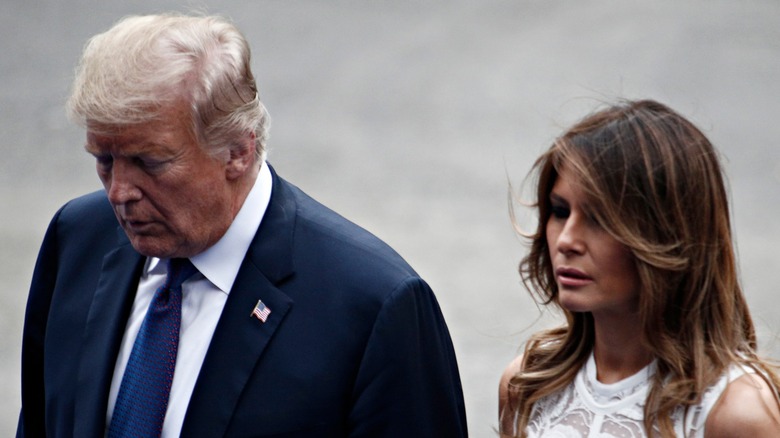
203, 298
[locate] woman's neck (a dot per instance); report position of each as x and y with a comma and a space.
618, 349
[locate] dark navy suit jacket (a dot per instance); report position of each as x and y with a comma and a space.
355, 345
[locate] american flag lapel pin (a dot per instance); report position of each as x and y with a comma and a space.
261, 311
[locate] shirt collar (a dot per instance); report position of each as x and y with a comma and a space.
220, 263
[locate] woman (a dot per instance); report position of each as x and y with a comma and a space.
634, 246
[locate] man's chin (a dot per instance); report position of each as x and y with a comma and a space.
152, 246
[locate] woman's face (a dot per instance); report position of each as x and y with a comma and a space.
594, 272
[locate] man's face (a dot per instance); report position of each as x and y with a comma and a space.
171, 198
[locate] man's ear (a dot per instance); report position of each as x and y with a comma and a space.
242, 157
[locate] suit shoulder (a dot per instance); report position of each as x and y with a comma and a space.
82, 217
89, 208
328, 249
341, 238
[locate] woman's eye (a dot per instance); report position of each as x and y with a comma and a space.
559, 212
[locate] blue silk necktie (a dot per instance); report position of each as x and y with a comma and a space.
143, 395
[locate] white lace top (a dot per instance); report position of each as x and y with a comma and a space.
589, 408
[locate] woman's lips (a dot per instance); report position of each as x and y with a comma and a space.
571, 277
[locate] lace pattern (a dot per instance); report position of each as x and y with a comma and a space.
589, 408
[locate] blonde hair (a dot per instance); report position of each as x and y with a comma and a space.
129, 73
655, 184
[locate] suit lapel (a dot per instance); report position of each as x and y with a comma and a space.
103, 333
236, 346
239, 339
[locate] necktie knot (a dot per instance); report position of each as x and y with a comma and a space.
179, 270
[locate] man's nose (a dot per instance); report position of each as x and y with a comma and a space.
121, 185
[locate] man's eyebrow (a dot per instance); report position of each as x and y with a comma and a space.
139, 148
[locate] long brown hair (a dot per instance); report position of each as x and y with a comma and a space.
655, 184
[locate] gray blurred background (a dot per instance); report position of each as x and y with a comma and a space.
412, 118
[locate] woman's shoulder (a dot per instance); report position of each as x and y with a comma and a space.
747, 407
541, 344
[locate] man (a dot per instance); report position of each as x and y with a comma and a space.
293, 322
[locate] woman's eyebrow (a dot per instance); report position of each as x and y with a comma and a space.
558, 199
